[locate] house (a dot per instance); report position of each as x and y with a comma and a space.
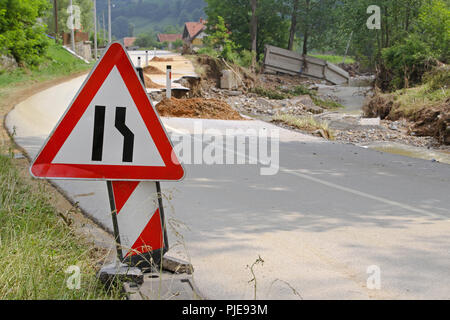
194, 33
128, 42
169, 39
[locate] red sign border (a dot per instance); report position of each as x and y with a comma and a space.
43, 167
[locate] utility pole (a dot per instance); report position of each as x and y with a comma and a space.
95, 29
72, 34
55, 10
104, 28
109, 21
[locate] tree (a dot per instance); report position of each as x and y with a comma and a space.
86, 15
120, 27
293, 24
434, 24
147, 40
272, 28
254, 32
21, 35
131, 27
219, 39
254, 25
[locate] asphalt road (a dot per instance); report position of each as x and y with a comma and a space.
331, 212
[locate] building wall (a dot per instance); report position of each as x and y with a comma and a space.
197, 42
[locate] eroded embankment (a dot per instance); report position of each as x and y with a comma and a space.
426, 106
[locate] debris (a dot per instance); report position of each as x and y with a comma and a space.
228, 80
175, 265
369, 121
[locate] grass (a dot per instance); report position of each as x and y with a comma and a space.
58, 63
37, 247
308, 124
335, 59
432, 93
271, 94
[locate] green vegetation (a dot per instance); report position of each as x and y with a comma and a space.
335, 59
405, 62
86, 15
309, 124
21, 36
281, 94
433, 92
57, 62
327, 104
269, 93
412, 33
37, 246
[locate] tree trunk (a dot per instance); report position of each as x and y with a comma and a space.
293, 25
253, 31
305, 42
306, 31
254, 25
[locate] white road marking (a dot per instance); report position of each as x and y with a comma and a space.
332, 185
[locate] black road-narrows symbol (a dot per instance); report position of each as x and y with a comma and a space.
128, 136
99, 132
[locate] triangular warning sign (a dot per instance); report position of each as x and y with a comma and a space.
111, 131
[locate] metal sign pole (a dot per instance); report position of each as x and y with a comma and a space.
112, 204
169, 82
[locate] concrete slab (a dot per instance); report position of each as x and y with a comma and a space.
164, 286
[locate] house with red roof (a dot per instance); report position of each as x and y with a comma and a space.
169, 39
128, 42
194, 32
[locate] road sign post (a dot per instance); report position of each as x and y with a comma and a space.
112, 132
169, 82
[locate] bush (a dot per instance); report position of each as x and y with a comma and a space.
434, 24
21, 36
404, 64
438, 78
246, 58
208, 51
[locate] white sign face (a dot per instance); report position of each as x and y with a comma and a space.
112, 101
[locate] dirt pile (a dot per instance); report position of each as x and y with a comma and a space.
197, 108
150, 84
434, 122
380, 105
153, 70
